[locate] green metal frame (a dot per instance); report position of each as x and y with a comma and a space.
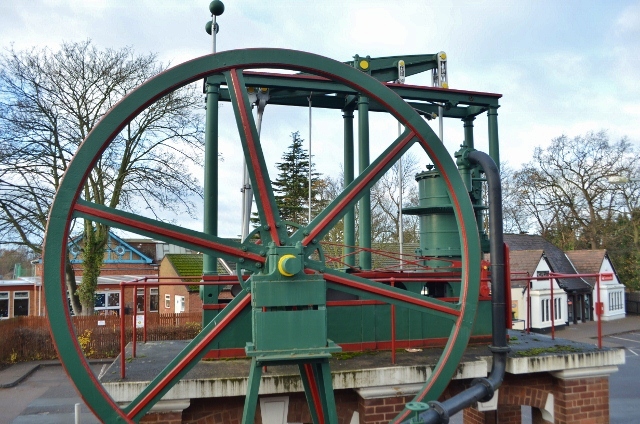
228, 68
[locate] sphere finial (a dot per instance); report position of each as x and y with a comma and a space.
216, 7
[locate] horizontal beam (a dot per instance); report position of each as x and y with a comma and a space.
294, 89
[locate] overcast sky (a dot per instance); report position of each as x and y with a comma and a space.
563, 67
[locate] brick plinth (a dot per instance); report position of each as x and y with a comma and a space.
580, 400
583, 400
382, 410
163, 418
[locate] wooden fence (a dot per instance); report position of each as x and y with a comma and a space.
28, 338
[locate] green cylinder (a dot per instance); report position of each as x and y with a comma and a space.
439, 236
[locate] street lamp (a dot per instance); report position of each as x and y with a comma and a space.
619, 179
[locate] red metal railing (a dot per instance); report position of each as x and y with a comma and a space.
599, 308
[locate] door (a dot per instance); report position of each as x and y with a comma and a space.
179, 304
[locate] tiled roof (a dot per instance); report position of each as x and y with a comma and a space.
523, 261
558, 261
587, 261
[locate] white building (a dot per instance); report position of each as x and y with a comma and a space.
535, 304
612, 293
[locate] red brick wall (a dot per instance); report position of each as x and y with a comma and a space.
381, 411
584, 400
577, 401
164, 418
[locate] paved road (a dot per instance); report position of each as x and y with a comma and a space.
624, 390
46, 396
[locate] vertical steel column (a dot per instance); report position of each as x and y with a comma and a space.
468, 131
349, 218
494, 143
365, 202
210, 262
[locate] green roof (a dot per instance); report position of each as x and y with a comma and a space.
186, 264
190, 264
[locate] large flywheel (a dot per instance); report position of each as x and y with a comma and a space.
69, 205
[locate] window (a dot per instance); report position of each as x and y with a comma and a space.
101, 301
113, 300
547, 314
20, 304
140, 300
546, 308
167, 301
557, 309
107, 301
542, 273
154, 300
615, 301
4, 305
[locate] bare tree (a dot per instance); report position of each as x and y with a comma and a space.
565, 191
49, 102
386, 207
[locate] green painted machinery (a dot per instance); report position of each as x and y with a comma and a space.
285, 294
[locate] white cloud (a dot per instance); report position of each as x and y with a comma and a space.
563, 67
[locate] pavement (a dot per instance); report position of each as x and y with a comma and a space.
16, 373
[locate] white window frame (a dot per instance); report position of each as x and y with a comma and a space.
5, 296
154, 291
140, 292
18, 295
106, 306
167, 301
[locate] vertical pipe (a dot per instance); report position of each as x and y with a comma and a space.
553, 318
77, 413
494, 146
529, 307
144, 313
210, 262
599, 312
441, 123
365, 201
135, 316
468, 132
400, 223
393, 327
349, 217
123, 330
507, 286
310, 160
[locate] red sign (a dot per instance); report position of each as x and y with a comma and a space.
606, 276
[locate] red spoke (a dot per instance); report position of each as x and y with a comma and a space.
384, 291
196, 350
164, 231
354, 190
258, 172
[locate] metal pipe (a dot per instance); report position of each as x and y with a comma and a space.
599, 312
123, 330
553, 318
144, 313
135, 318
310, 94
494, 142
365, 200
483, 389
393, 328
400, 224
349, 217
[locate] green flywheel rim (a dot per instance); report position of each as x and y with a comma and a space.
65, 204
